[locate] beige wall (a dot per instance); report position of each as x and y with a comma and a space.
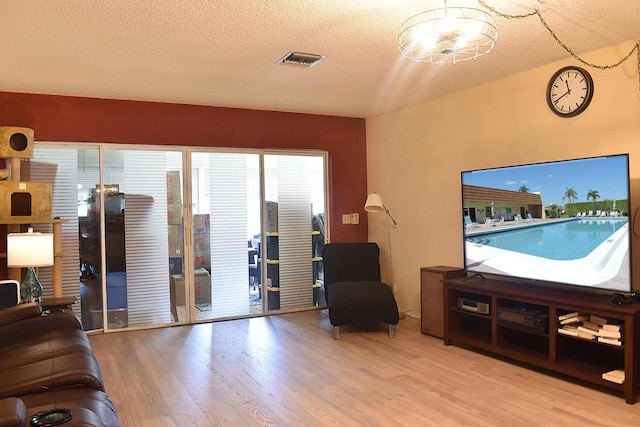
415, 155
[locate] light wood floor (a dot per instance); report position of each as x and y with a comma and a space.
288, 370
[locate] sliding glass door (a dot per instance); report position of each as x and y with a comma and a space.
294, 219
126, 232
160, 236
235, 247
225, 206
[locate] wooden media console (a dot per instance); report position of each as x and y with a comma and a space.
504, 331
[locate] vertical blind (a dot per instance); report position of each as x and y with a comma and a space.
294, 231
229, 267
146, 242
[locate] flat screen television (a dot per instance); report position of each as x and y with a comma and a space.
556, 223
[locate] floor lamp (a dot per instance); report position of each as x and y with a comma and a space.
374, 204
30, 250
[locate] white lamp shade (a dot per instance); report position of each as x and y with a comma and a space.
29, 249
374, 203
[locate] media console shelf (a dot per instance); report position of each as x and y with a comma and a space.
536, 344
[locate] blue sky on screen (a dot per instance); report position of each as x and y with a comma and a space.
606, 175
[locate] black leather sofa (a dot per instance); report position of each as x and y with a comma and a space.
46, 362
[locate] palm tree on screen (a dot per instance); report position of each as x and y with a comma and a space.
593, 195
570, 194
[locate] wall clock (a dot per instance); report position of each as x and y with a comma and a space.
569, 91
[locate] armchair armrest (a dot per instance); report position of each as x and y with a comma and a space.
13, 413
19, 312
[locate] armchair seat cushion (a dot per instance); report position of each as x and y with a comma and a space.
362, 301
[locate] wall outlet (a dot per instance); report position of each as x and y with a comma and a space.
346, 219
355, 218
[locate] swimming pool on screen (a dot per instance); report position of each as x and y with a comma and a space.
590, 251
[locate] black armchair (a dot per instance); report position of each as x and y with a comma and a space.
353, 289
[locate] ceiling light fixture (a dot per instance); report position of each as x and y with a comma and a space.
446, 35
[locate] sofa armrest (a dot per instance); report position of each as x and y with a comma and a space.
19, 312
12, 412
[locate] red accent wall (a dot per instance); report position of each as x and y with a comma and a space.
75, 119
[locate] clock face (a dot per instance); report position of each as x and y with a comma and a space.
569, 91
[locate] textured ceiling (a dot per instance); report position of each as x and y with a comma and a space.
224, 53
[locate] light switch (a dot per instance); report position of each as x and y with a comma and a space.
355, 218
346, 219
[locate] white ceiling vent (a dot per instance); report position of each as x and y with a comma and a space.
299, 59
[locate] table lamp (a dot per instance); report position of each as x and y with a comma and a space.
30, 250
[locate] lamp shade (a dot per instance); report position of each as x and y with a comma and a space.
29, 249
374, 203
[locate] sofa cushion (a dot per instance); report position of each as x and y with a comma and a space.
63, 371
42, 346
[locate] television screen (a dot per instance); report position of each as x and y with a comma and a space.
557, 222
